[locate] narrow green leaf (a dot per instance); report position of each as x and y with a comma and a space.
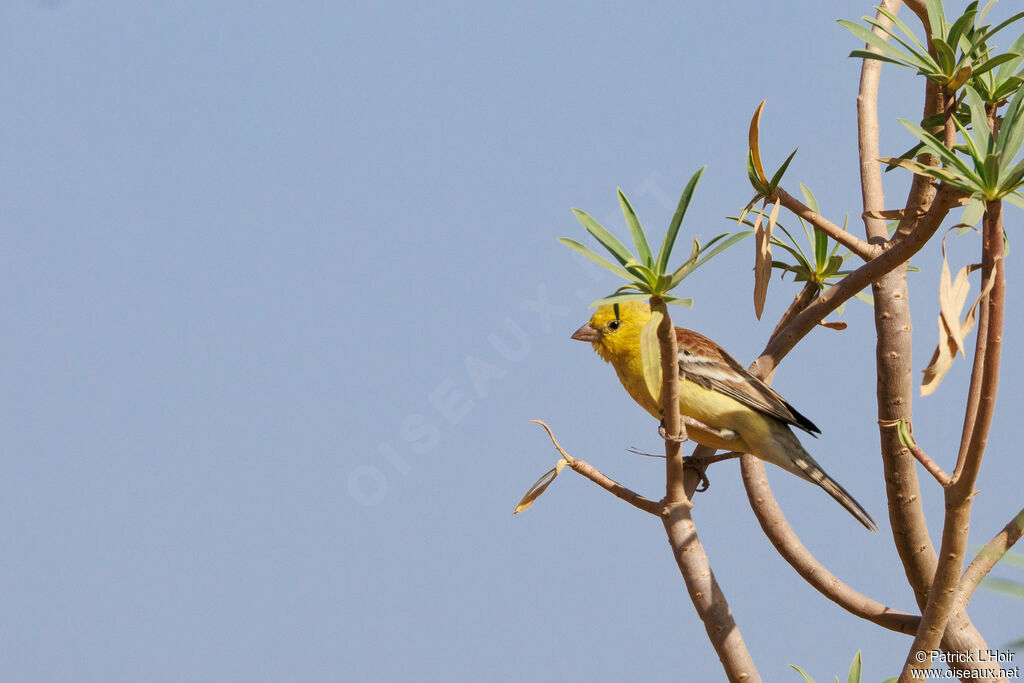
607, 240
1004, 586
650, 355
620, 298
921, 53
936, 18
809, 199
867, 36
959, 27
677, 220
642, 248
642, 272
935, 146
866, 298
865, 54
979, 121
946, 55
803, 673
921, 47
676, 301
733, 239
599, 260
1010, 67
991, 32
855, 665
777, 178
1011, 132
996, 61
820, 249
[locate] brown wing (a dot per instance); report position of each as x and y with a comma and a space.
704, 362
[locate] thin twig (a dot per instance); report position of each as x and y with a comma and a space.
930, 465
593, 474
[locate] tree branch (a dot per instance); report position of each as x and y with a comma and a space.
858, 246
988, 556
705, 593
960, 493
785, 540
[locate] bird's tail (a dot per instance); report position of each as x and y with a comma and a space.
798, 461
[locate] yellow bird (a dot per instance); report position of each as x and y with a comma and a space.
717, 391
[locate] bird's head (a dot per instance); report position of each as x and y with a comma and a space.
614, 330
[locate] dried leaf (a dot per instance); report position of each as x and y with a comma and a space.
952, 329
539, 487
650, 355
763, 258
941, 361
836, 325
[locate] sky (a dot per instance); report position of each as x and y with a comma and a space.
282, 291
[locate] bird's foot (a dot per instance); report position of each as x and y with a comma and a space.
724, 434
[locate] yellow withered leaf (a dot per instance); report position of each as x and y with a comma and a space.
539, 487
952, 328
763, 257
650, 355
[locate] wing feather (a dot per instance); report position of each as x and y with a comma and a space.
706, 363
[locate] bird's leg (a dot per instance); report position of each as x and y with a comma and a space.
724, 434
700, 465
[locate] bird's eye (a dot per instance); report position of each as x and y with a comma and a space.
614, 325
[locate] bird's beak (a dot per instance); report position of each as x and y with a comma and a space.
585, 333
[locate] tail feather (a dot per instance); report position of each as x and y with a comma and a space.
799, 462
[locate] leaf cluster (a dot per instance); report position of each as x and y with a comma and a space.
961, 52
646, 275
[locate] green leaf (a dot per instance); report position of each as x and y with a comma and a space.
1011, 132
946, 55
1008, 68
991, 32
820, 249
866, 298
867, 36
959, 27
865, 54
921, 48
803, 673
1004, 586
854, 675
777, 178
733, 239
809, 198
607, 240
936, 18
676, 301
994, 62
677, 220
935, 146
599, 260
650, 355
619, 298
979, 120
642, 248
643, 273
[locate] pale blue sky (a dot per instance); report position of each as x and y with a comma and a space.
281, 290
